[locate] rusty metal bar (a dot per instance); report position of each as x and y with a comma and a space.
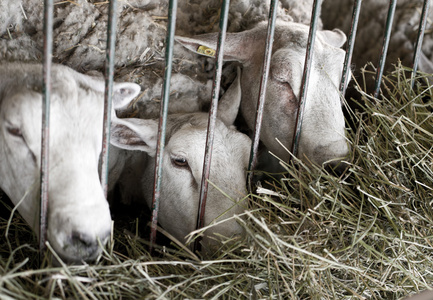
306, 74
386, 38
263, 83
109, 74
212, 117
349, 48
45, 134
419, 39
163, 118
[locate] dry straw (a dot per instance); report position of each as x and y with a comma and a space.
367, 234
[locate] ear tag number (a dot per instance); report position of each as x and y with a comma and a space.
206, 51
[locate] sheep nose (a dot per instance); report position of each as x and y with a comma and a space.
336, 167
87, 246
80, 239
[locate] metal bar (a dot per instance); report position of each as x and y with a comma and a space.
263, 83
307, 66
419, 39
109, 74
45, 142
163, 118
212, 117
349, 49
386, 38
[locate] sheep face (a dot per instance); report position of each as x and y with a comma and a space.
182, 168
323, 132
78, 214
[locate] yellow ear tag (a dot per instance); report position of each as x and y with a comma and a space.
206, 51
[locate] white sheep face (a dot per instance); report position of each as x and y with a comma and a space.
78, 213
323, 132
182, 167
182, 171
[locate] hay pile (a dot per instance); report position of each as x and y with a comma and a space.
365, 235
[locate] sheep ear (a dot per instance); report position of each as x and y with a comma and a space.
134, 134
425, 65
206, 45
335, 37
228, 105
124, 93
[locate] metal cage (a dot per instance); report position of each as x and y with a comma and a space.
109, 71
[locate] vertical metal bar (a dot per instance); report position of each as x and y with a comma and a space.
212, 117
46, 74
307, 66
109, 74
263, 83
420, 37
163, 118
388, 28
349, 49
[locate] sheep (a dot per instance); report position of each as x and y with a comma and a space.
79, 39
79, 42
183, 166
424, 295
323, 136
80, 36
368, 43
78, 216
10, 14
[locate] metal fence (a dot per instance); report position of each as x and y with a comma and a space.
109, 71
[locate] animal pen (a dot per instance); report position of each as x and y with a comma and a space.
109, 73
218, 54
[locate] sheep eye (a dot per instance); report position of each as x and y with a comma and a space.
15, 131
180, 162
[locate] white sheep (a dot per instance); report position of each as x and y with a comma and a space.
80, 37
323, 133
78, 214
368, 43
182, 168
424, 295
